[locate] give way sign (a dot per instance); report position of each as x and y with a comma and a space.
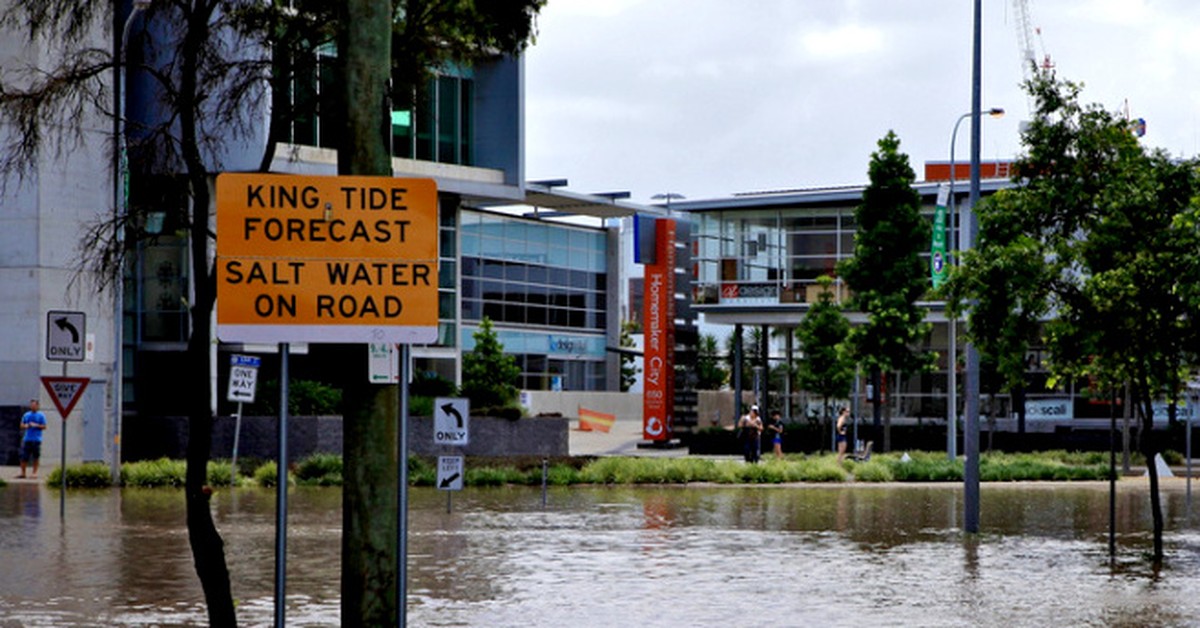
65, 392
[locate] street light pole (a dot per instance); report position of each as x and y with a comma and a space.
971, 435
952, 321
120, 199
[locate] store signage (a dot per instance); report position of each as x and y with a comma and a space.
658, 367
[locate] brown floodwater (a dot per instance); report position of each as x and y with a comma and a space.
834, 555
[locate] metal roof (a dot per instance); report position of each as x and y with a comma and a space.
558, 201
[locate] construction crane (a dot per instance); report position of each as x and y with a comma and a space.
1031, 68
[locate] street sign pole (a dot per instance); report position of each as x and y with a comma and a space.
402, 514
62, 480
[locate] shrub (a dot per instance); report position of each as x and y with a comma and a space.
420, 406
305, 397
875, 470
562, 475
927, 467
268, 475
430, 384
220, 473
319, 470
421, 472
147, 473
86, 475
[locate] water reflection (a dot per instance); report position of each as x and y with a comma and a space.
602, 556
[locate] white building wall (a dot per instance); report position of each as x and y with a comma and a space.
42, 221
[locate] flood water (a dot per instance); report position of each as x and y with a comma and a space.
839, 555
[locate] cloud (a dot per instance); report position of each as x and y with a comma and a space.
840, 43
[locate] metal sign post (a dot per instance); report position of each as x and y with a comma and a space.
243, 379
66, 338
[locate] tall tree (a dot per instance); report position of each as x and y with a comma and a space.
629, 367
710, 375
886, 276
827, 369
206, 65
490, 376
1108, 233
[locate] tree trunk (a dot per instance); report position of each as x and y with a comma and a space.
1149, 448
370, 501
876, 406
208, 549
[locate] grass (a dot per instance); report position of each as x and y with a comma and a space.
326, 470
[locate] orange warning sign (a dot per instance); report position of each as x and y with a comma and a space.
326, 259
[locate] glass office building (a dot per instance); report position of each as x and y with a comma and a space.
544, 286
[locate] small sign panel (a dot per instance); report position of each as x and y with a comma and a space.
66, 334
65, 392
450, 473
383, 363
243, 378
451, 421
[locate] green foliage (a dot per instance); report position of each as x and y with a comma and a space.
1025, 467
827, 369
752, 341
148, 473
489, 375
305, 398
886, 275
319, 470
421, 406
267, 475
421, 472
430, 384
629, 367
86, 475
219, 473
873, 470
710, 373
926, 467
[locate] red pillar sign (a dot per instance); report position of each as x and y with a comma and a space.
658, 399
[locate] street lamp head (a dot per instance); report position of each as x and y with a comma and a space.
996, 112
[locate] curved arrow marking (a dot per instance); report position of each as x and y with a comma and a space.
66, 326
450, 410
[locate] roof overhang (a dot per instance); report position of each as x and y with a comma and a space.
551, 201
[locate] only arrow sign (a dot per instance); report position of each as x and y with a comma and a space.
450, 410
446, 482
66, 326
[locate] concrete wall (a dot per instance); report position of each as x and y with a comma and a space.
625, 406
158, 437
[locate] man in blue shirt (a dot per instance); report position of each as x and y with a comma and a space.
33, 423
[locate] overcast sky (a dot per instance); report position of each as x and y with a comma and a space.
707, 98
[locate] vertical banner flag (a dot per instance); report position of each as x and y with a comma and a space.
937, 248
658, 368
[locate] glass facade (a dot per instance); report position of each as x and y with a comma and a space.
543, 285
769, 256
439, 129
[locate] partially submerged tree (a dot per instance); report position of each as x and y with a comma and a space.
886, 276
1102, 244
710, 374
827, 369
629, 367
490, 376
